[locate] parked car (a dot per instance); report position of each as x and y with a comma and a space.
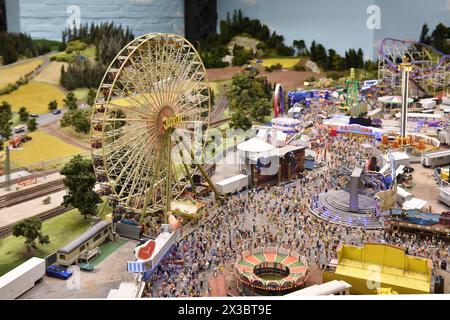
57, 271
34, 115
57, 111
20, 128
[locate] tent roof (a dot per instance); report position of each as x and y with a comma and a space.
255, 145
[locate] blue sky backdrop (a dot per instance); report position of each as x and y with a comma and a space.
342, 24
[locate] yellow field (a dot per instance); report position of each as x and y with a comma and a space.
13, 73
35, 96
43, 147
287, 63
52, 73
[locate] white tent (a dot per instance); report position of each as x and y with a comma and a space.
255, 145
393, 99
267, 135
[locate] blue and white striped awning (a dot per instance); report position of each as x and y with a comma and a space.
136, 266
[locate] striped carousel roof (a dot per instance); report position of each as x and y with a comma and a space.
298, 267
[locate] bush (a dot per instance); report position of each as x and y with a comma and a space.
274, 67
241, 56
299, 67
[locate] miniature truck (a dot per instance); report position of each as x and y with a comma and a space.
233, 184
22, 278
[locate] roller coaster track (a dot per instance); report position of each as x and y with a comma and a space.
28, 194
7, 230
430, 65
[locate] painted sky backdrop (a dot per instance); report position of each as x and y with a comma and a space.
342, 24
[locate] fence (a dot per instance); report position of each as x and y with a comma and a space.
56, 163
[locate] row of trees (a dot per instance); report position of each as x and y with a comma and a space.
249, 99
108, 40
82, 74
16, 45
330, 59
439, 38
214, 48
238, 24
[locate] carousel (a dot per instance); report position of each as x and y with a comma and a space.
270, 271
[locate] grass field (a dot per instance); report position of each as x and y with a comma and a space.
286, 62
13, 73
82, 137
52, 73
35, 96
217, 86
54, 45
61, 230
81, 94
89, 53
43, 147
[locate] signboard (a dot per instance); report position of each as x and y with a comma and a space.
144, 252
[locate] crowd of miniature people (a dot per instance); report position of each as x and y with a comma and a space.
275, 216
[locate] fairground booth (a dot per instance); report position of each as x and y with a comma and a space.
380, 266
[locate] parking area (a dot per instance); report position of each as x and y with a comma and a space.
107, 275
426, 188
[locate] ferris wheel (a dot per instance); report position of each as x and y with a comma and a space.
156, 84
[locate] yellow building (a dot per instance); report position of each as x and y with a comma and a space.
377, 265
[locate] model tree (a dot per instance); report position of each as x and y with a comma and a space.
53, 105
249, 99
23, 114
91, 97
32, 124
31, 230
75, 46
5, 120
80, 181
240, 121
70, 101
80, 121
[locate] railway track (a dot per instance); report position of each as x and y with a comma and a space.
218, 123
41, 190
31, 176
7, 230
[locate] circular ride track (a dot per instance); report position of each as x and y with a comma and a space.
155, 86
271, 271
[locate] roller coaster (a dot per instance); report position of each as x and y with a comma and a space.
431, 67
